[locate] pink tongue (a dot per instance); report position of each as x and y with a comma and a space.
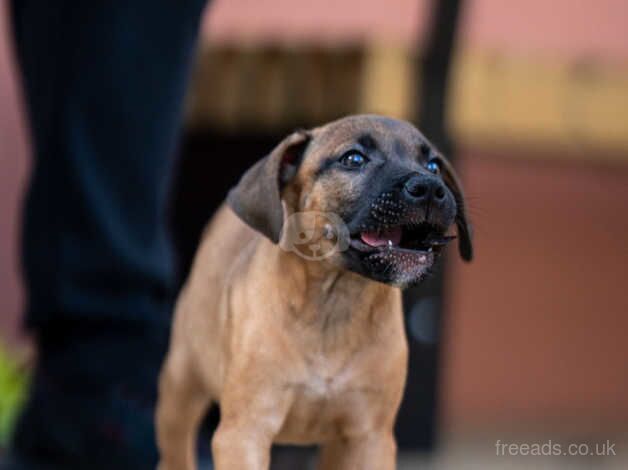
381, 238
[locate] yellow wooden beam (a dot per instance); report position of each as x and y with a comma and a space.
579, 107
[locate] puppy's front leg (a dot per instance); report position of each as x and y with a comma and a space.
241, 448
373, 451
248, 425
182, 404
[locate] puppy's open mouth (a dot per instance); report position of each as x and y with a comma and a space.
400, 254
420, 239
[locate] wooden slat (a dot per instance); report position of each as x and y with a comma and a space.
495, 100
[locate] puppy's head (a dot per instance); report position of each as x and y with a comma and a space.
369, 193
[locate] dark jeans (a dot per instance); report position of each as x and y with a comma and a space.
103, 82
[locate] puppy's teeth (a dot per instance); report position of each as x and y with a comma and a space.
390, 244
430, 249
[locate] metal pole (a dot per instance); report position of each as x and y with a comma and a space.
417, 421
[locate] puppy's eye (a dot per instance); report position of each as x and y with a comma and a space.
353, 159
433, 167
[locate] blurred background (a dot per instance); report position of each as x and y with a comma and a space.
531, 100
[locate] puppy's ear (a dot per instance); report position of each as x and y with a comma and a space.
256, 199
465, 233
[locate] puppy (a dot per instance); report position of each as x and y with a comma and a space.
291, 318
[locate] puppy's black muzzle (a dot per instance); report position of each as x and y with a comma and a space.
414, 199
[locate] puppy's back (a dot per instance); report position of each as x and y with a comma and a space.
223, 239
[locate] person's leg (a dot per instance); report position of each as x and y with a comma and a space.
104, 82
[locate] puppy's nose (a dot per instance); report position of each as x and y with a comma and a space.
423, 188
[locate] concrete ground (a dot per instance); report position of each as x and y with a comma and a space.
480, 453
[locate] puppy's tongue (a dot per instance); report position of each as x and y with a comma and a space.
382, 237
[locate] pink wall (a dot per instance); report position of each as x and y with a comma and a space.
567, 29
536, 334
324, 21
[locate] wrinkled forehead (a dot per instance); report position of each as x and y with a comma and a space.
372, 133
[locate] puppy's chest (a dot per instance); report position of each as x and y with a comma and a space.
327, 381
329, 403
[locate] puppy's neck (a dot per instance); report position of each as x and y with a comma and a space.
326, 298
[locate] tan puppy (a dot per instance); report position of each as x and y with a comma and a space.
290, 319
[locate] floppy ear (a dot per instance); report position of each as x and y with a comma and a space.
256, 199
465, 234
